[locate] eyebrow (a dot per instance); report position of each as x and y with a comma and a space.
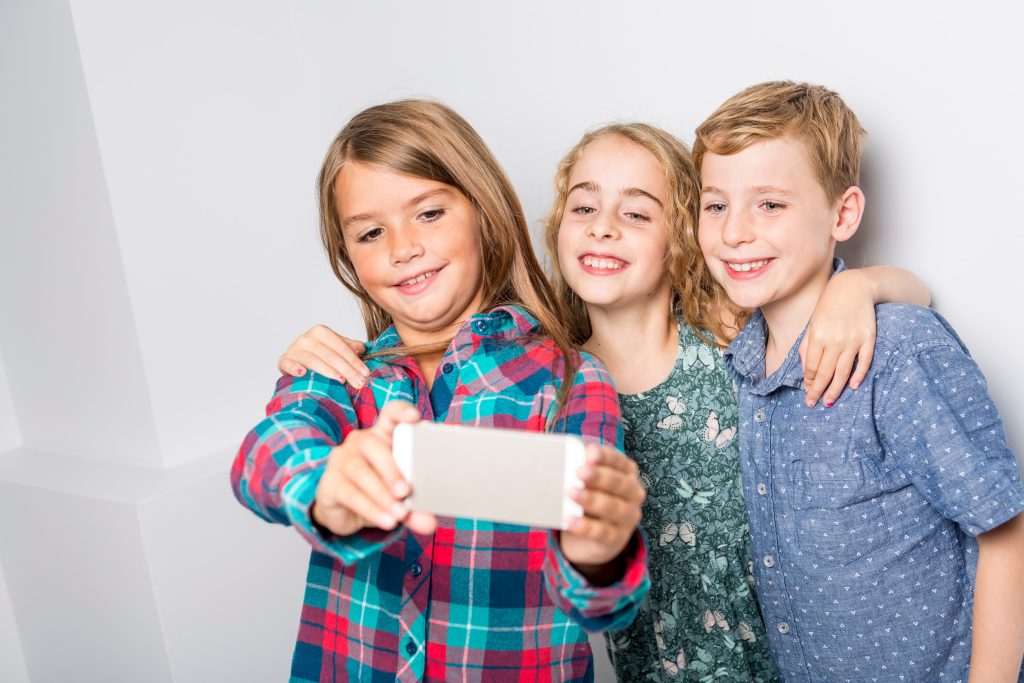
760, 189
591, 186
369, 215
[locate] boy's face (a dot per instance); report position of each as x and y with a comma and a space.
766, 228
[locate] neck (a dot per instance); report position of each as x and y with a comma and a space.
637, 343
786, 318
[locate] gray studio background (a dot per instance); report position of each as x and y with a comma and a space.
158, 251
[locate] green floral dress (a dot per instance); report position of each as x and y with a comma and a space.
700, 621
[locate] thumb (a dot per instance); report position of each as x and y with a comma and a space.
391, 415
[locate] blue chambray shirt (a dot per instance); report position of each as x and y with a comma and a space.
863, 515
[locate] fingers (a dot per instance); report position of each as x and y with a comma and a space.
824, 370
353, 483
844, 366
421, 522
864, 357
812, 365
324, 351
611, 496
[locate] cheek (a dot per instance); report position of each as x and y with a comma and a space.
566, 254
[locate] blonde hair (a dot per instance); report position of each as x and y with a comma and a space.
695, 294
810, 113
425, 139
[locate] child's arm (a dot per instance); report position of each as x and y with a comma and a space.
842, 327
611, 498
998, 642
598, 574
323, 350
939, 425
280, 469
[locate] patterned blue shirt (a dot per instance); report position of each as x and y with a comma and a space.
863, 516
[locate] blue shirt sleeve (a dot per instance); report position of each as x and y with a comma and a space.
938, 421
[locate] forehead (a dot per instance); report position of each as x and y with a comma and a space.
782, 161
616, 162
364, 188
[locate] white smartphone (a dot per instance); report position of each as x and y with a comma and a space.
501, 475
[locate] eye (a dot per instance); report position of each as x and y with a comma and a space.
637, 217
584, 210
772, 207
371, 235
714, 207
431, 215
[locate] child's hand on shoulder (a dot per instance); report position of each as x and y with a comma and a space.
611, 498
361, 485
323, 350
841, 331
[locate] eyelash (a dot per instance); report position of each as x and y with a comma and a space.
368, 235
632, 215
779, 206
428, 216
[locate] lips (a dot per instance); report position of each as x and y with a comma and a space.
419, 282
602, 264
747, 270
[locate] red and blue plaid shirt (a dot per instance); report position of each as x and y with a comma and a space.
475, 601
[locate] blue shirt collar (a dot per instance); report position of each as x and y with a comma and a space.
745, 355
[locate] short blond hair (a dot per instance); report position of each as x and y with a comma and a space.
810, 113
695, 294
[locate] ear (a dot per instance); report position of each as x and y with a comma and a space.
849, 211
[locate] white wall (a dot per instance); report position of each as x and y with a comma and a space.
157, 235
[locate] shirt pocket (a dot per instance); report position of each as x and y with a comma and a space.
839, 517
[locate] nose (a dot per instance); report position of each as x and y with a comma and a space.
736, 230
602, 227
405, 245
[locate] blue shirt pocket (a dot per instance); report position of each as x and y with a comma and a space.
839, 514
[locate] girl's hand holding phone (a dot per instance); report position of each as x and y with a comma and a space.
611, 499
361, 485
323, 350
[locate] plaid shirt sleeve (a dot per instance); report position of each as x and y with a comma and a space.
592, 412
278, 467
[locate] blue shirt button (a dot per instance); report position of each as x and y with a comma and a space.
759, 416
762, 489
783, 627
769, 561
416, 570
410, 647
447, 368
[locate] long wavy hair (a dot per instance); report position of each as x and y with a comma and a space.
696, 297
428, 140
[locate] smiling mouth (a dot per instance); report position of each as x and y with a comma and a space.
602, 263
419, 278
746, 267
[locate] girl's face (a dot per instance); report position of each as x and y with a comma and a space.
613, 236
415, 247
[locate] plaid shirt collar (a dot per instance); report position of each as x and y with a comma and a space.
506, 322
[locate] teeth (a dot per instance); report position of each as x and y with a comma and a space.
418, 278
744, 267
594, 262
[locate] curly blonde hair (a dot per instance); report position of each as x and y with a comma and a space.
696, 297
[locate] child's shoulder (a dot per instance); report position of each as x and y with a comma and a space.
908, 328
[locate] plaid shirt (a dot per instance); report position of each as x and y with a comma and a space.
476, 600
